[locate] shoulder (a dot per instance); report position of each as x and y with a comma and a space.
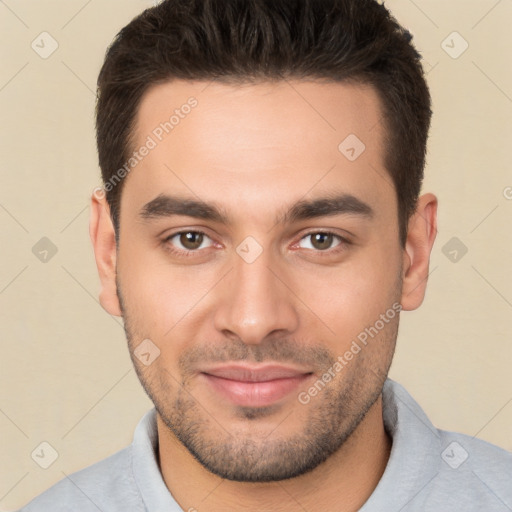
439, 469
477, 451
472, 475
474, 458
105, 485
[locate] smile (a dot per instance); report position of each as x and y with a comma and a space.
254, 386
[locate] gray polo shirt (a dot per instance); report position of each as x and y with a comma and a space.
429, 470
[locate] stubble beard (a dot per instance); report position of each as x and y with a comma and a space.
334, 414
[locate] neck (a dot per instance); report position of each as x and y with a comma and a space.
343, 482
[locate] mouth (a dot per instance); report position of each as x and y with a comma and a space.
254, 386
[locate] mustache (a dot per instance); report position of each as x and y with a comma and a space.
313, 356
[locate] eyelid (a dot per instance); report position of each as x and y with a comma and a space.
168, 238
326, 231
344, 241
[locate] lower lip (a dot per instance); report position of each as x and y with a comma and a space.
255, 394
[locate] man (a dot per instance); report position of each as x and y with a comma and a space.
260, 230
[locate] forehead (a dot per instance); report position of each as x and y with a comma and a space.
266, 112
264, 141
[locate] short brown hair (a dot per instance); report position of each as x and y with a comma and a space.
243, 41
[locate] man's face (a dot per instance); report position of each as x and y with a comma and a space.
250, 310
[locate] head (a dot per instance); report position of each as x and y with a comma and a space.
262, 163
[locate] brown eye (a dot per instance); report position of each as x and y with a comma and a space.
187, 241
191, 240
321, 241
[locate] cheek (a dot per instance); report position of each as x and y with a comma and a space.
353, 295
148, 287
163, 301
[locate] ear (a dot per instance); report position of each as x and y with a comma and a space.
422, 231
101, 231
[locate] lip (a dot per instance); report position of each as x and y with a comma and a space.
254, 386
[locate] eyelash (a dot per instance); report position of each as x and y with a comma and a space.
189, 253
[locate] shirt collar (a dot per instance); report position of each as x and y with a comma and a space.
415, 453
146, 471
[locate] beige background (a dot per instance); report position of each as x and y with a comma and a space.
66, 377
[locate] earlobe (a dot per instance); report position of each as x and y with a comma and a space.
101, 231
422, 230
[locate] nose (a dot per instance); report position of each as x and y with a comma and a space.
256, 301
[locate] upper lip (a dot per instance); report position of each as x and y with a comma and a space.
261, 373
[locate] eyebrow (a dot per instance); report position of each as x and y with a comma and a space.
342, 204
